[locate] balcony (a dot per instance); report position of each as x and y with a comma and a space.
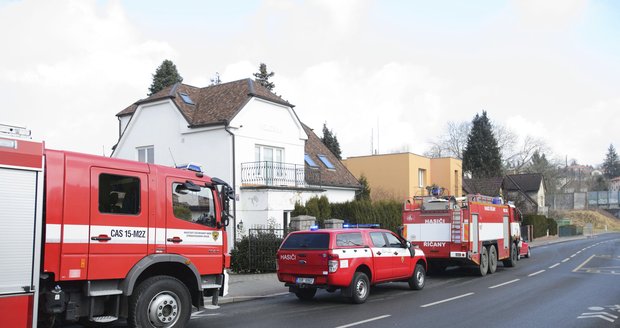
278, 174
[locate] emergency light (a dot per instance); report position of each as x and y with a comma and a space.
361, 225
314, 227
190, 167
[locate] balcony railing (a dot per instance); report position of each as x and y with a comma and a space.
278, 174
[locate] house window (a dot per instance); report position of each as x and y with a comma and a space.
310, 161
119, 194
146, 154
326, 161
270, 162
268, 154
421, 178
456, 183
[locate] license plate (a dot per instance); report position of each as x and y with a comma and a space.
301, 280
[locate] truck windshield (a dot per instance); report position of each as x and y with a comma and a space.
307, 241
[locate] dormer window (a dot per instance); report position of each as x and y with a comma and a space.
326, 161
186, 98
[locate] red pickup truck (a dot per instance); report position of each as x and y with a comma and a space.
347, 259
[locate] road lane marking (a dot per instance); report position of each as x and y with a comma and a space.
365, 321
564, 260
535, 273
584, 263
447, 300
553, 266
506, 283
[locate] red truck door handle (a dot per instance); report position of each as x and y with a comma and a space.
175, 240
101, 238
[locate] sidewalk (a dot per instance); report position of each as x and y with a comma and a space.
244, 287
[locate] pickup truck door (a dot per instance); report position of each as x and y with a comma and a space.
401, 257
382, 256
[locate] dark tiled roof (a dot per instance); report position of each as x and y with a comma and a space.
340, 176
216, 104
486, 186
529, 182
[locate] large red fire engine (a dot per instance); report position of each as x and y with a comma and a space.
478, 230
95, 239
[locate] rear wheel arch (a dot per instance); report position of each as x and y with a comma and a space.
365, 269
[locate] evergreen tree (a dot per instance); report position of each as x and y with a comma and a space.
364, 193
329, 139
263, 77
611, 166
482, 155
165, 75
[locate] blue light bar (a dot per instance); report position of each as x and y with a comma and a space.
314, 227
361, 225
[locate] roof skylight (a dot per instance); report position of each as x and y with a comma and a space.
186, 98
326, 161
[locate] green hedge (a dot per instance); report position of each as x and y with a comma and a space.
388, 214
260, 258
541, 223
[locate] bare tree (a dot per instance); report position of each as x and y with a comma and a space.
518, 157
453, 142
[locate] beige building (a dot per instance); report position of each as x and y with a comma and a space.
400, 176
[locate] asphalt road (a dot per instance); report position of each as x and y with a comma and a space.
570, 284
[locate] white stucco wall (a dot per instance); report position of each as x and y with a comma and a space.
162, 126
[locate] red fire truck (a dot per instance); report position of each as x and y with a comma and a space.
93, 239
475, 229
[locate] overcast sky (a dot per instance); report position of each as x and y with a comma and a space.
396, 69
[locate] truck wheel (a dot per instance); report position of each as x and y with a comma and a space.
160, 301
417, 280
305, 294
360, 287
512, 260
528, 253
484, 262
492, 259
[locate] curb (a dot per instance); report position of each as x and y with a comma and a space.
236, 299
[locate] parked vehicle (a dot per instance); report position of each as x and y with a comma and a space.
95, 239
474, 230
524, 249
351, 260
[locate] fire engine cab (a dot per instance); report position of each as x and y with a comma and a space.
94, 239
348, 259
476, 229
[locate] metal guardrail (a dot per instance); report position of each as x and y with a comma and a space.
267, 173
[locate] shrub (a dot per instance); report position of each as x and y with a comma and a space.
541, 223
255, 253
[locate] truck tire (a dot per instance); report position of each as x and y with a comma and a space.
160, 301
492, 259
360, 286
529, 253
512, 260
484, 262
305, 294
417, 280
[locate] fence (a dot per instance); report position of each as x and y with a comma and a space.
263, 244
583, 200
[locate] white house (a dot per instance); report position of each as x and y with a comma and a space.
244, 134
